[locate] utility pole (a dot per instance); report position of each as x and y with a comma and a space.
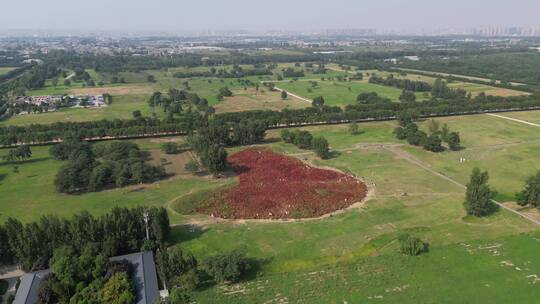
146, 217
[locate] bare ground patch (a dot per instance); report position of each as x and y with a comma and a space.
250, 99
173, 163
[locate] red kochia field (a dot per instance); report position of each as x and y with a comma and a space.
277, 186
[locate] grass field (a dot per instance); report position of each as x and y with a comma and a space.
122, 107
4, 70
350, 257
338, 93
473, 88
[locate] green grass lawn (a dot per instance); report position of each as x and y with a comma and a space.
339, 93
350, 257
122, 108
530, 116
5, 70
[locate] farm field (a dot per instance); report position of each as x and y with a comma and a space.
353, 256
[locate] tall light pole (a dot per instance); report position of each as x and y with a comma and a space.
146, 217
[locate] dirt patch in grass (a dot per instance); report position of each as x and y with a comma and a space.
248, 100
116, 90
274, 186
173, 163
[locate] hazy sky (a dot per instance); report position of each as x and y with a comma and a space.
181, 15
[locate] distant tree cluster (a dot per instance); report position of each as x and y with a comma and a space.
292, 73
121, 231
20, 153
405, 84
433, 141
441, 90
235, 72
208, 142
371, 98
304, 140
93, 168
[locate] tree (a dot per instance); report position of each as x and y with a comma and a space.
530, 195
454, 141
150, 78
318, 102
411, 245
433, 143
214, 159
478, 196
227, 267
192, 166
320, 146
175, 265
353, 128
433, 126
302, 139
137, 114
407, 96
445, 132
67, 82
118, 290
284, 94
169, 148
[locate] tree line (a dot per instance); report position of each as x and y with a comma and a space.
190, 121
405, 84
118, 232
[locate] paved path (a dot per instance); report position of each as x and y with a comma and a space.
514, 119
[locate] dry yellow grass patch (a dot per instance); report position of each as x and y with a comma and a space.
116, 90
248, 100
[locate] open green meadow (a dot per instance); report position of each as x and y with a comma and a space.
5, 70
339, 93
352, 257
122, 108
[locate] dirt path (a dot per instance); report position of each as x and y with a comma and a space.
514, 119
294, 95
396, 150
413, 160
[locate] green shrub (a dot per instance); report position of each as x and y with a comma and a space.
411, 245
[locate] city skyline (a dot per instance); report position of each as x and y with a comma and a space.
390, 16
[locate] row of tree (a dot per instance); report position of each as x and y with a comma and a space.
121, 231
304, 140
405, 84
190, 121
433, 141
